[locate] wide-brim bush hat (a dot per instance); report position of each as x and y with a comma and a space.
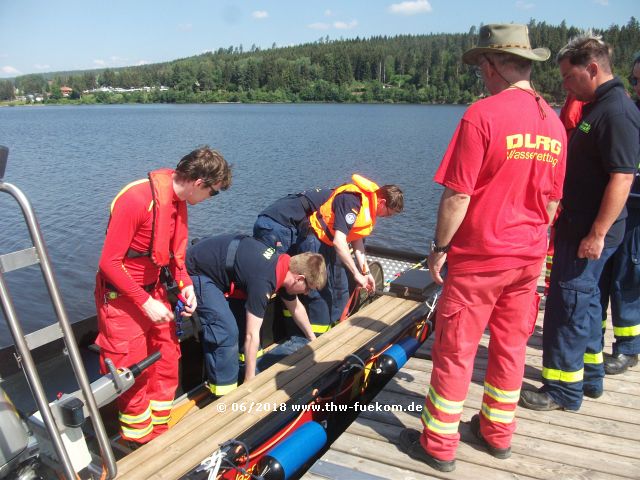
510, 38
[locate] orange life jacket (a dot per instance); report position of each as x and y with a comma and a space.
322, 220
163, 245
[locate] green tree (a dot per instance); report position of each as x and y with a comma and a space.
7, 90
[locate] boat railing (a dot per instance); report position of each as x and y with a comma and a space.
37, 254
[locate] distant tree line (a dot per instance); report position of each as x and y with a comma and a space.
405, 68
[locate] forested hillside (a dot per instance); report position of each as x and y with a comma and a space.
408, 68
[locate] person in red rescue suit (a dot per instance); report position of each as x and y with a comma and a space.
503, 173
346, 217
148, 230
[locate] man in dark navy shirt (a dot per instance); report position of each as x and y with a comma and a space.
326, 221
286, 221
242, 267
601, 162
623, 282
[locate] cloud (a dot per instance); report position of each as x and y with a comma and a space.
338, 25
9, 70
185, 27
319, 26
100, 63
345, 25
142, 62
260, 14
410, 7
38, 66
522, 5
604, 3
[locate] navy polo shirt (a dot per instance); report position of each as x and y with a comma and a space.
290, 210
254, 269
607, 140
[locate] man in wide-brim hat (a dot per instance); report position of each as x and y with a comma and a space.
508, 38
503, 173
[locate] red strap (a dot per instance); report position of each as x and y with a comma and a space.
237, 294
347, 307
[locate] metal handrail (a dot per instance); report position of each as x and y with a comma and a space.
69, 339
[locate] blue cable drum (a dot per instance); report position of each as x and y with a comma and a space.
298, 448
397, 355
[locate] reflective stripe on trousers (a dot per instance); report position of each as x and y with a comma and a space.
621, 282
470, 302
572, 331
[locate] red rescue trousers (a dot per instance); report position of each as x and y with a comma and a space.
506, 301
126, 336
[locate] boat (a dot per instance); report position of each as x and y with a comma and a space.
58, 417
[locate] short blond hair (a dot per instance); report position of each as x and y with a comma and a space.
312, 266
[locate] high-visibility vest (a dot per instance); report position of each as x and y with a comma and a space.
322, 220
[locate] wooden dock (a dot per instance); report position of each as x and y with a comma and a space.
601, 441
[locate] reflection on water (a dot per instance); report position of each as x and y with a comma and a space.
71, 161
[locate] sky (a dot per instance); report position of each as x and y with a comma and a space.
38, 36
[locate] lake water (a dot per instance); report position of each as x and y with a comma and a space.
71, 161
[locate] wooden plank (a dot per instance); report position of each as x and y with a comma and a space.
384, 449
185, 446
472, 460
579, 433
365, 465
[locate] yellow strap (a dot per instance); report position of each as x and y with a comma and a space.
259, 354
131, 419
220, 390
160, 405
439, 427
632, 331
560, 376
447, 406
498, 415
320, 328
127, 187
136, 432
593, 358
160, 420
502, 396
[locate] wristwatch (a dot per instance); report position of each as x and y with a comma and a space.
436, 249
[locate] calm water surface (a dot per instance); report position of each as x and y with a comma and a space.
71, 162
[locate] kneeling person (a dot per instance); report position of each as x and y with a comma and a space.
237, 266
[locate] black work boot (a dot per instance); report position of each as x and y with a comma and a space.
410, 444
537, 401
501, 453
619, 363
592, 392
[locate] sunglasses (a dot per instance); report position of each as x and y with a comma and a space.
213, 192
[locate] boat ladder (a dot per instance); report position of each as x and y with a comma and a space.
37, 254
